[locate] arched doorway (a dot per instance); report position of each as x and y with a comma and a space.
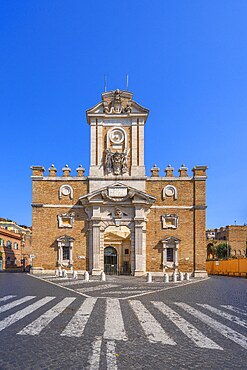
110, 261
119, 238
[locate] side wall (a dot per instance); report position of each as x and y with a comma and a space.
47, 205
190, 209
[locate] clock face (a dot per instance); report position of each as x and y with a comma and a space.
117, 136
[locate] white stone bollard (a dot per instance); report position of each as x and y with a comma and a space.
103, 277
181, 276
187, 276
86, 276
60, 272
174, 277
56, 273
64, 274
149, 277
166, 278
75, 275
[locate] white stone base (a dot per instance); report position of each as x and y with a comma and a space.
139, 273
154, 273
39, 271
96, 272
200, 274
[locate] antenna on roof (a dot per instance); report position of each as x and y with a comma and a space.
127, 82
105, 82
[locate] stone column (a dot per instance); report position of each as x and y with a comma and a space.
93, 147
132, 251
71, 253
100, 148
141, 142
134, 147
138, 249
176, 257
96, 270
90, 247
60, 257
164, 256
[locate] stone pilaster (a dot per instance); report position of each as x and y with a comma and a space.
93, 150
140, 247
96, 270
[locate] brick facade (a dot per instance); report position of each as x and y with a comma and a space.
234, 235
75, 218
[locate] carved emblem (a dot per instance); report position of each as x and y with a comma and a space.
118, 213
116, 105
115, 162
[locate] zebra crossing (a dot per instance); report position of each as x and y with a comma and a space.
149, 320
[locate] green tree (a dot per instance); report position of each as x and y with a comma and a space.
223, 250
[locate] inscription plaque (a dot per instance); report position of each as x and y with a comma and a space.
117, 192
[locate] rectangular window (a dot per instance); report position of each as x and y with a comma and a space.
169, 255
65, 253
126, 251
1, 242
15, 245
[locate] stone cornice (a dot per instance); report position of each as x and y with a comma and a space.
200, 207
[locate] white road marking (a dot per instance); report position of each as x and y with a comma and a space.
227, 316
94, 357
24, 312
151, 327
8, 306
188, 329
74, 282
171, 286
127, 292
41, 322
77, 324
222, 329
100, 287
62, 287
234, 309
7, 297
114, 325
111, 358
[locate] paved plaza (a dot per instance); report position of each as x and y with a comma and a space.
122, 323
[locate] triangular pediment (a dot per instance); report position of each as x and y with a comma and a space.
117, 193
171, 240
65, 239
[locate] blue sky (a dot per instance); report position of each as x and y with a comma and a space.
187, 63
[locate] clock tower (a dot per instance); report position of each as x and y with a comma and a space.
117, 141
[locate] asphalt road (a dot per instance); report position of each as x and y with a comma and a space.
123, 323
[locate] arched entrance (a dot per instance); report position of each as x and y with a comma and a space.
110, 261
119, 238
